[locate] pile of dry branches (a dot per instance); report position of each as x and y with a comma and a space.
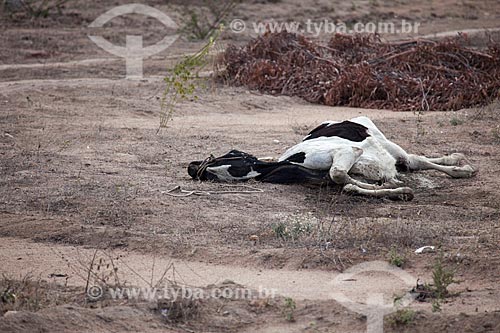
363, 71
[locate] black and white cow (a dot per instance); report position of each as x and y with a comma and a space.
352, 153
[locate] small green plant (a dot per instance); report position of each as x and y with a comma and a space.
184, 80
289, 309
397, 299
402, 317
7, 296
436, 305
203, 21
280, 230
395, 258
442, 277
456, 121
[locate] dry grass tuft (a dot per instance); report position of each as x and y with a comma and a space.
30, 294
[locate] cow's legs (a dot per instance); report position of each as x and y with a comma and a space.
423, 163
400, 193
446, 164
451, 160
343, 160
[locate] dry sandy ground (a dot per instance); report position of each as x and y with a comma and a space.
82, 169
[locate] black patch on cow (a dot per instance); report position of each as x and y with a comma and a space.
285, 173
241, 164
297, 158
346, 130
239, 169
402, 165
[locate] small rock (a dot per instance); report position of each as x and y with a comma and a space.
254, 238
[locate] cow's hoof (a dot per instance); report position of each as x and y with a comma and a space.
466, 171
402, 194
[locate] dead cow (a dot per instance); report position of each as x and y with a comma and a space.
353, 153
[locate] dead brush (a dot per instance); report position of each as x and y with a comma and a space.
363, 71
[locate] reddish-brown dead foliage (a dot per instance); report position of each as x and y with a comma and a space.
363, 71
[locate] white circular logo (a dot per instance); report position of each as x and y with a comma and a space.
374, 307
134, 52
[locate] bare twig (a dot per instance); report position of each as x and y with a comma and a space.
184, 193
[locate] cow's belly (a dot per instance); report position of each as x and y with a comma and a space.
382, 168
318, 152
318, 161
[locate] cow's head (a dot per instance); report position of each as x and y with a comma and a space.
233, 166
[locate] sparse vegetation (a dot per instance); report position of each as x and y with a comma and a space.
184, 80
292, 232
102, 271
436, 305
437, 291
294, 226
30, 294
33, 8
178, 310
442, 277
402, 317
203, 21
289, 309
395, 258
456, 121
